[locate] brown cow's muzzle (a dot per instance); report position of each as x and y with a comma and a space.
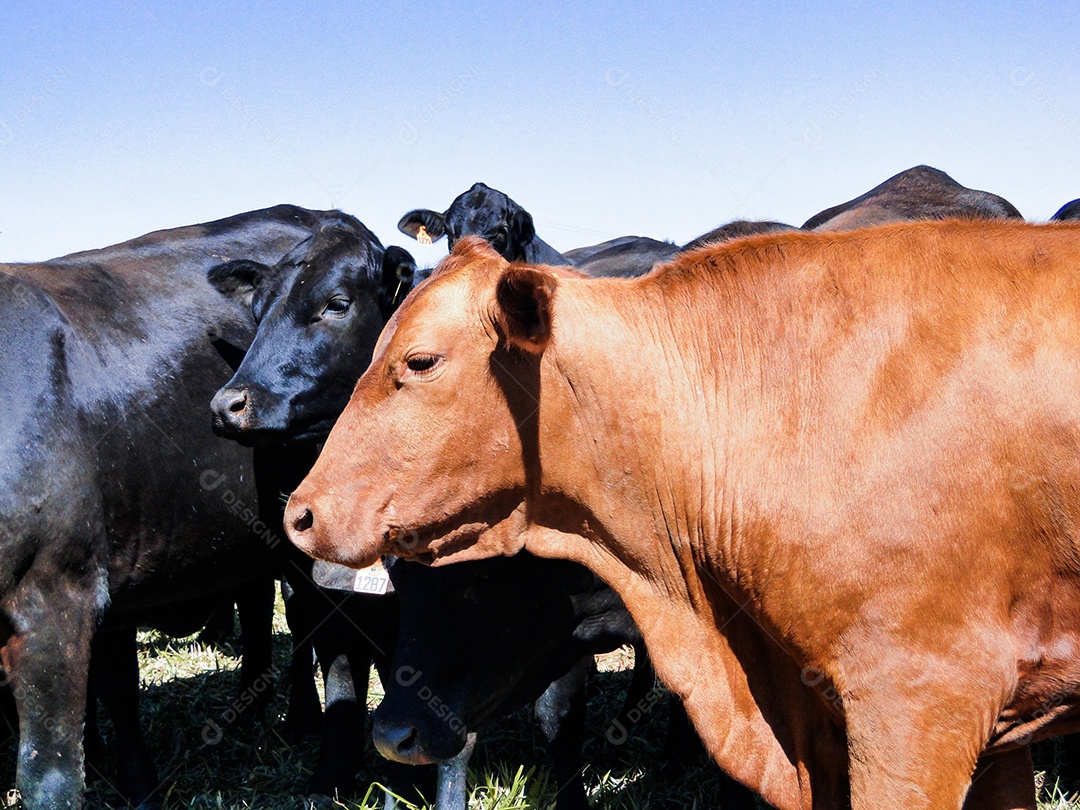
314, 527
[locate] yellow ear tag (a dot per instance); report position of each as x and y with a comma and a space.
422, 236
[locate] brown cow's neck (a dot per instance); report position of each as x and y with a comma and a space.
665, 469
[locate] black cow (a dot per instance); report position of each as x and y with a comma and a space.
623, 257
319, 315
1069, 211
479, 640
319, 312
483, 211
918, 193
113, 504
736, 230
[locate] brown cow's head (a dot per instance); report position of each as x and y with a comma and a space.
433, 451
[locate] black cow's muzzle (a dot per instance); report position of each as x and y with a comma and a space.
232, 414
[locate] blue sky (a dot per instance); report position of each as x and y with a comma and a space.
119, 117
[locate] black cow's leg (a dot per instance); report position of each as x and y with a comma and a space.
220, 627
452, 790
94, 754
304, 715
561, 711
114, 677
9, 713
255, 605
47, 657
1069, 771
346, 662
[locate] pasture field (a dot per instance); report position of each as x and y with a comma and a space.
188, 686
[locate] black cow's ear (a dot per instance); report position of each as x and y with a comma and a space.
423, 225
522, 230
398, 272
524, 300
238, 278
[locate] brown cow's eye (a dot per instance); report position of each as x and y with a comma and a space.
421, 363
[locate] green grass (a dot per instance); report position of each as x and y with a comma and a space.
186, 683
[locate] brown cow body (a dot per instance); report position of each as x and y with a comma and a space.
834, 478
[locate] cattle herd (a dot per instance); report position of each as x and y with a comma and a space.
824, 479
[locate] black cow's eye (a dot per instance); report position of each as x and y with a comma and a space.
336, 307
420, 363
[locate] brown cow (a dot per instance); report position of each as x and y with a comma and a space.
834, 477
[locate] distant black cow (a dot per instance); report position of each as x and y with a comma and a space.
1069, 211
483, 211
735, 230
319, 312
117, 503
624, 257
918, 193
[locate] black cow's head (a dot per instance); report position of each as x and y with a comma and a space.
319, 313
480, 211
475, 640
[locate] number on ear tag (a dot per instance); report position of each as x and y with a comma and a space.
374, 580
422, 236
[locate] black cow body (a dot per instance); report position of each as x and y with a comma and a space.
918, 193
736, 230
113, 503
484, 211
624, 257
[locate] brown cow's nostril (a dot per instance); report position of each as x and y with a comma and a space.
304, 522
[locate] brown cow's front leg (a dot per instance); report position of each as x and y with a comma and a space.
1003, 782
911, 746
47, 658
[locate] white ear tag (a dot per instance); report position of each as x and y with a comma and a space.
374, 580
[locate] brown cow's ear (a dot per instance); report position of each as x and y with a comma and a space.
524, 298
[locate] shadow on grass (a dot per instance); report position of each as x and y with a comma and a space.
188, 685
